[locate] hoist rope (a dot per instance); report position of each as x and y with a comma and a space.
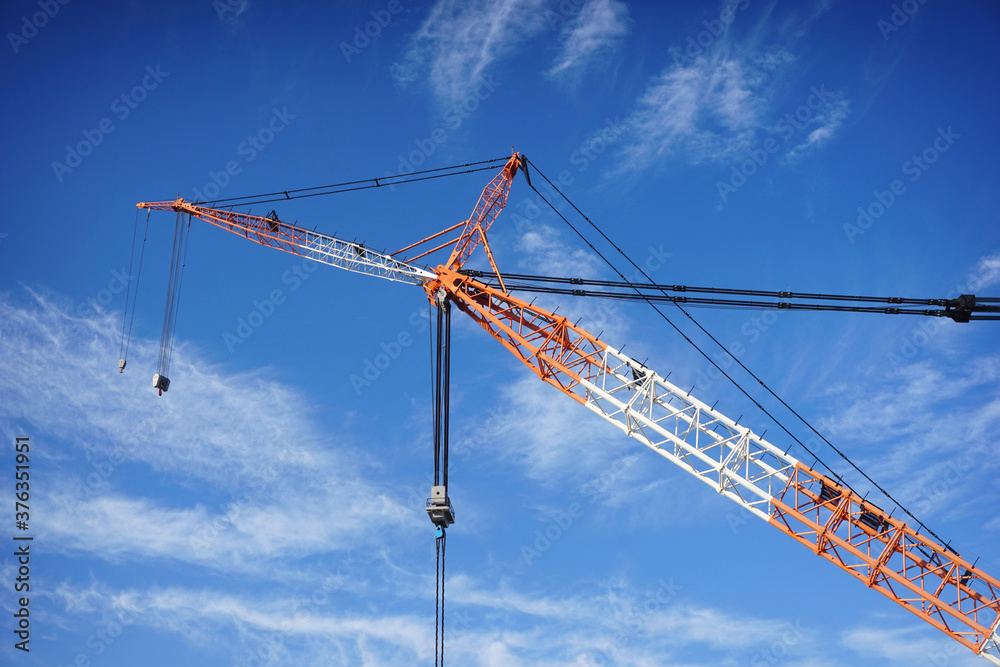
437, 597
178, 260
439, 549
127, 340
440, 348
728, 352
138, 275
180, 284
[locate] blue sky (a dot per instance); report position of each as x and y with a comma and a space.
268, 510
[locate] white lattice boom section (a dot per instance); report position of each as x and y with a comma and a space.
709, 445
321, 248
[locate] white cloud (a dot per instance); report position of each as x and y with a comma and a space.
281, 482
487, 625
987, 272
911, 646
706, 111
825, 123
459, 41
719, 97
591, 35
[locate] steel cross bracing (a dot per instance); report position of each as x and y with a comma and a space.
322, 248
927, 579
490, 203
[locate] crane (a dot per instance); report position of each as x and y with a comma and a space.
927, 578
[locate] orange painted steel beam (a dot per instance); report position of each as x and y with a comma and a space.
432, 236
558, 351
490, 203
929, 580
265, 231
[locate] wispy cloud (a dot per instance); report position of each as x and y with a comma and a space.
495, 625
706, 111
590, 37
277, 479
824, 124
987, 272
908, 646
459, 41
719, 97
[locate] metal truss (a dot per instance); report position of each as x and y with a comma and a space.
273, 233
925, 578
922, 576
490, 203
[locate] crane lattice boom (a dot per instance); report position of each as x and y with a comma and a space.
273, 233
928, 579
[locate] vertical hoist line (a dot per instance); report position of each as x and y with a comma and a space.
168, 306
135, 295
128, 288
439, 505
178, 261
437, 403
446, 404
444, 540
437, 598
177, 297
